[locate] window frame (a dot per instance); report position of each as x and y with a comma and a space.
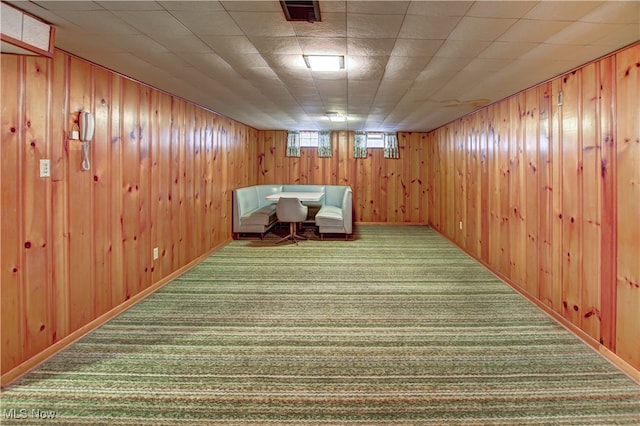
377, 142
309, 138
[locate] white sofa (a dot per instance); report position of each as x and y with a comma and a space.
254, 214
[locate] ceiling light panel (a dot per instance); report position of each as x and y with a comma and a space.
324, 62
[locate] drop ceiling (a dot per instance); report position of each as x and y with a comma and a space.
410, 65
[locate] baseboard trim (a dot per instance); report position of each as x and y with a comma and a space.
33, 362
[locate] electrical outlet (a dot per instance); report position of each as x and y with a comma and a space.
156, 253
45, 168
461, 225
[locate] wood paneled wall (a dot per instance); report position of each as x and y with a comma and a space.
80, 243
548, 195
384, 190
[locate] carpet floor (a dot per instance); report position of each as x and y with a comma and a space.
395, 326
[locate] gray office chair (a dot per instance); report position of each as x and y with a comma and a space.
293, 211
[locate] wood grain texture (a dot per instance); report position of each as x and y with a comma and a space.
12, 271
628, 205
548, 195
562, 198
79, 244
384, 190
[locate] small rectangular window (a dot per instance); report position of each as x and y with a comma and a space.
308, 139
375, 139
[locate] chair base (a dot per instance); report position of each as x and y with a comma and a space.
292, 235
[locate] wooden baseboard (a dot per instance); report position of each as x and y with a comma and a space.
33, 362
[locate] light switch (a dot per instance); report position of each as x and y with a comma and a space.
45, 168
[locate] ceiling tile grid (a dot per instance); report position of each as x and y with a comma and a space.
410, 65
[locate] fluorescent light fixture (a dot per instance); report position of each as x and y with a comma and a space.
336, 117
324, 62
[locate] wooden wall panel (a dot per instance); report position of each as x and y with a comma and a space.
591, 202
517, 187
79, 244
571, 198
608, 260
515, 173
12, 271
562, 195
130, 191
384, 190
531, 190
118, 283
59, 242
544, 211
100, 153
628, 208
80, 201
144, 254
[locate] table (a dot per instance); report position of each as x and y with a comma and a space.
302, 196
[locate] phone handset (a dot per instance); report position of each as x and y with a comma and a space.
86, 123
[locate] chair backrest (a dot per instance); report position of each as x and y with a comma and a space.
291, 210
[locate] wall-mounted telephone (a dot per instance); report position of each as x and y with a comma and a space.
86, 123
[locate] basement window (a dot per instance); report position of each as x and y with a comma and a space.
375, 139
308, 139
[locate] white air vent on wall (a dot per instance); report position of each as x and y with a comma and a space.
23, 34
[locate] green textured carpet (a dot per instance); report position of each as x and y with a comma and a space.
395, 327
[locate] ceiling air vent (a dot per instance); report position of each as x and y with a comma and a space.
301, 10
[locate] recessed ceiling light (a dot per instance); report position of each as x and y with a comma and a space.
336, 117
324, 62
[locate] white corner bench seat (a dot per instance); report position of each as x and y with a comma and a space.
254, 214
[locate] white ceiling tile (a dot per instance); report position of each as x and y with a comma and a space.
244, 60
561, 10
614, 12
501, 9
487, 29
428, 27
373, 26
334, 24
248, 60
582, 33
333, 6
277, 45
128, 5
64, 6
461, 48
252, 6
323, 46
154, 22
263, 24
506, 50
229, 45
532, 31
370, 46
208, 23
412, 47
378, 7
405, 67
99, 22
192, 6
625, 34
439, 8
366, 67
183, 44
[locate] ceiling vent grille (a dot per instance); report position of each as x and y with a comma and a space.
301, 10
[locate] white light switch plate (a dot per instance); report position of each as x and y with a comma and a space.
45, 168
